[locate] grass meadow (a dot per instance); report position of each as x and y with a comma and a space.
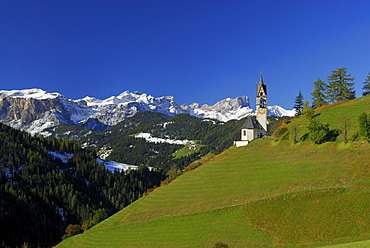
270, 193
184, 152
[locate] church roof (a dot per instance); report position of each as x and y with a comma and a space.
259, 85
250, 123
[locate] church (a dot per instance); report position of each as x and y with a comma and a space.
254, 129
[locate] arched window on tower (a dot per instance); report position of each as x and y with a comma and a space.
262, 103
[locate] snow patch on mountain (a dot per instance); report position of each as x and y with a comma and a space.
166, 123
148, 137
112, 166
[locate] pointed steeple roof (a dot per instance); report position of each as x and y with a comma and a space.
261, 84
261, 80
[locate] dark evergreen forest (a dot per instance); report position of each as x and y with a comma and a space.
40, 195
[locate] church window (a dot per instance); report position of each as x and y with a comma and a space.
262, 102
244, 132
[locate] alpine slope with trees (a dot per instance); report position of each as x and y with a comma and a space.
270, 193
56, 186
52, 188
344, 121
340, 87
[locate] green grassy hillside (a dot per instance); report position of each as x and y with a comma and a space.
332, 114
270, 193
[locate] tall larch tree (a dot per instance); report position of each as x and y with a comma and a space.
366, 88
298, 104
318, 95
364, 123
340, 86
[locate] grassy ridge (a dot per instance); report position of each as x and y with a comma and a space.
266, 194
333, 114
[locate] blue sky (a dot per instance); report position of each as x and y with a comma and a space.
195, 50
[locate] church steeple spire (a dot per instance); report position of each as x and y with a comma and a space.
261, 105
261, 79
261, 88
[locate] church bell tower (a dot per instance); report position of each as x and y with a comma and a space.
261, 107
254, 129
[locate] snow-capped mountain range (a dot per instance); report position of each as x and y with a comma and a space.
35, 110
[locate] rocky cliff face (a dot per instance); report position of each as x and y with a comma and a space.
223, 110
35, 110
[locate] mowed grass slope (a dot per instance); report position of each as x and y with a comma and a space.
267, 194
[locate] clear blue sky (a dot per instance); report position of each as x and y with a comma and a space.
195, 50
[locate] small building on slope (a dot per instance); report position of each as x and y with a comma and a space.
254, 129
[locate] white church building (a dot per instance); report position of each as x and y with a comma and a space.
254, 129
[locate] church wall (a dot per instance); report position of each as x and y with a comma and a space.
241, 143
249, 134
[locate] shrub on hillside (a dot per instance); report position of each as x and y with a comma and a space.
280, 132
72, 230
220, 245
318, 132
193, 166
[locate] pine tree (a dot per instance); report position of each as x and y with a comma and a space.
340, 86
364, 123
308, 111
298, 104
318, 96
366, 88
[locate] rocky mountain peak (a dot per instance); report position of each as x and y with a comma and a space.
29, 93
229, 104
